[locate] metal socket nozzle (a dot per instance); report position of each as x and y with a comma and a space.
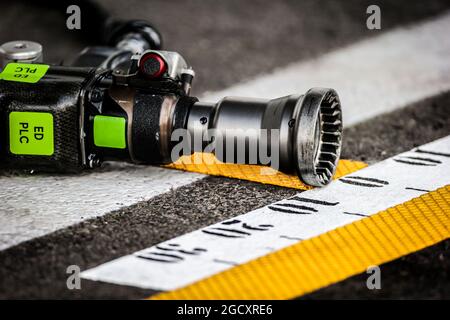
309, 130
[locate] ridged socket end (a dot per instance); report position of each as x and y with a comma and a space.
318, 136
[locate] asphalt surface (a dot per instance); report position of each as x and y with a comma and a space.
234, 41
37, 268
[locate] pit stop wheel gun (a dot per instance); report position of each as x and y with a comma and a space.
130, 101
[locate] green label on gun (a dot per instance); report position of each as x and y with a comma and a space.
109, 132
31, 133
24, 72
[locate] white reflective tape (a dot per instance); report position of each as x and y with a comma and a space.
32, 206
196, 255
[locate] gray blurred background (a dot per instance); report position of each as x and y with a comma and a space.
225, 41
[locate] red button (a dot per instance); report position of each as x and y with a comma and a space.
152, 65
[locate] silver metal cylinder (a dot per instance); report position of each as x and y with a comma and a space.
303, 131
20, 51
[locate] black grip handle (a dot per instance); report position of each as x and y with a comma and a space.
40, 124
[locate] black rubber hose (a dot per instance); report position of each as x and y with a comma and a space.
99, 27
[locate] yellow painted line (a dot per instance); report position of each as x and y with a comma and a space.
331, 256
206, 163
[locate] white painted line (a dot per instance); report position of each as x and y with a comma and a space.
371, 77
36, 205
196, 255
